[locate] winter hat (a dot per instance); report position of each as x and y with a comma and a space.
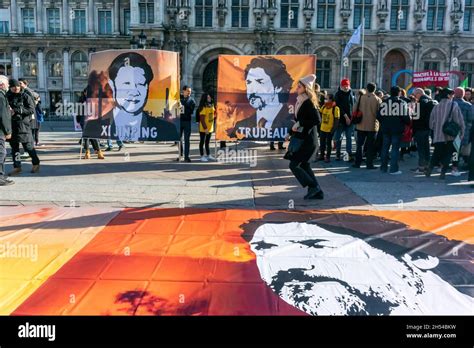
345, 82
14, 83
308, 81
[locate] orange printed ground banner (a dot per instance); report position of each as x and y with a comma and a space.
235, 262
256, 95
132, 95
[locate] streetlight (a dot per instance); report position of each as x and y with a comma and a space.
142, 39
133, 43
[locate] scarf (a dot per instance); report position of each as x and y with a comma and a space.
299, 101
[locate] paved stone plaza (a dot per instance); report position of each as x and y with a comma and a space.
146, 175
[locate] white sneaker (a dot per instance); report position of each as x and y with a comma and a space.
455, 172
204, 159
396, 173
211, 158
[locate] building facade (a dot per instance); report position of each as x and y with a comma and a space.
49, 41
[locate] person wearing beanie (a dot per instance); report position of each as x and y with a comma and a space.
5, 129
23, 107
345, 100
305, 130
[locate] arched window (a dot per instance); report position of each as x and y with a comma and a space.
79, 64
55, 64
29, 64
435, 15
5, 64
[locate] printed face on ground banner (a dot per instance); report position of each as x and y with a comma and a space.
330, 270
134, 95
256, 95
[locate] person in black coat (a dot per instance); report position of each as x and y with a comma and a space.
5, 129
307, 120
23, 107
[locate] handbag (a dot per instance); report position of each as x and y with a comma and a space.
356, 115
293, 147
451, 128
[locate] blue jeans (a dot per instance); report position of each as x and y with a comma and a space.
109, 143
348, 131
394, 141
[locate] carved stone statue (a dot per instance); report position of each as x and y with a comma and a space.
457, 6
382, 5
346, 4
419, 5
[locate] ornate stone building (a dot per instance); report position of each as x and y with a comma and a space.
48, 41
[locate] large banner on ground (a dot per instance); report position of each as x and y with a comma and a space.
194, 261
133, 95
256, 95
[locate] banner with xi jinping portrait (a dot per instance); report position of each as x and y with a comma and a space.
133, 95
256, 95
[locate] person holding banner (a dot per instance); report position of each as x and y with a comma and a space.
206, 112
305, 129
80, 118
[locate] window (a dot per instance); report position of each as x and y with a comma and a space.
468, 14
29, 65
364, 6
146, 9
431, 66
79, 22
326, 11
323, 73
105, 22
240, 13
5, 64
4, 26
435, 16
400, 8
203, 13
4, 20
289, 14
355, 73
468, 70
28, 15
55, 64
79, 64
126, 22
53, 21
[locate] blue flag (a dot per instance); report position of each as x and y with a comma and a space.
354, 40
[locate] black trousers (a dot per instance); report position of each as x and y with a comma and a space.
3, 155
303, 173
442, 154
204, 140
365, 139
93, 142
35, 133
28, 147
326, 143
471, 165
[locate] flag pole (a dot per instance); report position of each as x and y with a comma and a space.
363, 38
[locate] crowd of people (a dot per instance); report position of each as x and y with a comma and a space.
385, 127
389, 126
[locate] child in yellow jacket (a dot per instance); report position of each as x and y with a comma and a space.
330, 115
